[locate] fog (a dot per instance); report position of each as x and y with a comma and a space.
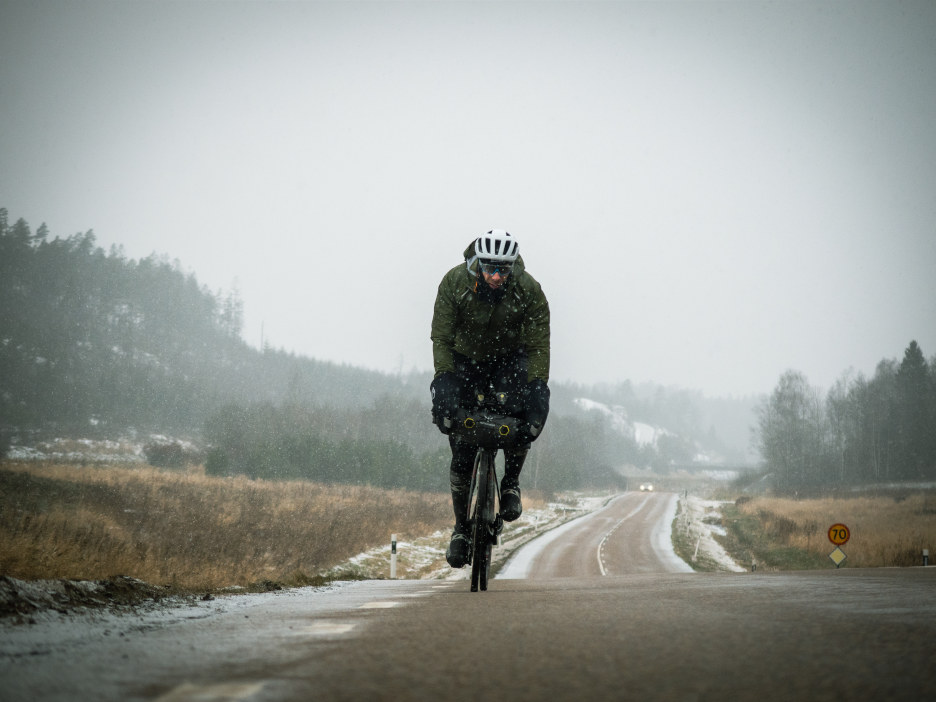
709, 193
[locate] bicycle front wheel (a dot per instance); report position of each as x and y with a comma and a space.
483, 532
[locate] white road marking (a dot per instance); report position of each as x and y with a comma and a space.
379, 605
639, 507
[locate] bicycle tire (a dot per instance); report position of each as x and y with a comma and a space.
477, 530
483, 518
488, 520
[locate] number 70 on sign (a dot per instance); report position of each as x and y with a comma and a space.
839, 534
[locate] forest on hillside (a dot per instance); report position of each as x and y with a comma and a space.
863, 431
92, 341
94, 344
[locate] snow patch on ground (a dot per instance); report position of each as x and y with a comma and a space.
84, 451
647, 435
616, 415
662, 539
59, 631
644, 434
79, 451
700, 518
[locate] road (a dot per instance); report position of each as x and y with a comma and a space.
630, 534
848, 634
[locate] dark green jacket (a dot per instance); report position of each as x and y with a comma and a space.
484, 331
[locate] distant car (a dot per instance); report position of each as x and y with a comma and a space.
646, 487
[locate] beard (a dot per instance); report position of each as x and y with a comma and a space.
489, 294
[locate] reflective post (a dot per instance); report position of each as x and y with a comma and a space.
392, 556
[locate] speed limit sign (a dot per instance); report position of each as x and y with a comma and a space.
839, 534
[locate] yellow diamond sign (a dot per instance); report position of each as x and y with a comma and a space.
837, 556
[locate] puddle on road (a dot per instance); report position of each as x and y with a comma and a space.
379, 605
327, 628
218, 692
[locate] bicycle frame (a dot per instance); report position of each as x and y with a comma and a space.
489, 430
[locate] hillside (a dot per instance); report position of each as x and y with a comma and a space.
93, 342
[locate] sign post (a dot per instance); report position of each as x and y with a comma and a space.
393, 556
839, 534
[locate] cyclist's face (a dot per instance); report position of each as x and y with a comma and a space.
495, 275
494, 280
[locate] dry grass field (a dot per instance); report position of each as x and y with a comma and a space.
191, 531
886, 531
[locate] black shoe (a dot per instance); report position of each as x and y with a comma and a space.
459, 548
510, 505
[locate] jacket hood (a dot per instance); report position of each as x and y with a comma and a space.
471, 262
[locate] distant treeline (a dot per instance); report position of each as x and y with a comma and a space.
392, 444
93, 344
864, 431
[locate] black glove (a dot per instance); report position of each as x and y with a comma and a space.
537, 405
445, 390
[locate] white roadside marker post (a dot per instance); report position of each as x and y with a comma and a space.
925, 556
393, 556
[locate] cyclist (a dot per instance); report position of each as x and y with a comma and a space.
490, 324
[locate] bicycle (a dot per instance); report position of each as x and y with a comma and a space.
489, 431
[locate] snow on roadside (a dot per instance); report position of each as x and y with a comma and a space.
698, 516
57, 631
662, 539
425, 557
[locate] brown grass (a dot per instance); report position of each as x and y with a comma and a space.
885, 531
192, 531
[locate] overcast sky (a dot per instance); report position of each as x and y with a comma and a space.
709, 193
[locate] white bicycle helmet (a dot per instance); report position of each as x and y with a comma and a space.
497, 245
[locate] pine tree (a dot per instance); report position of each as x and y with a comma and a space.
913, 414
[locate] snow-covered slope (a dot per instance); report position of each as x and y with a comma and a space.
643, 434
